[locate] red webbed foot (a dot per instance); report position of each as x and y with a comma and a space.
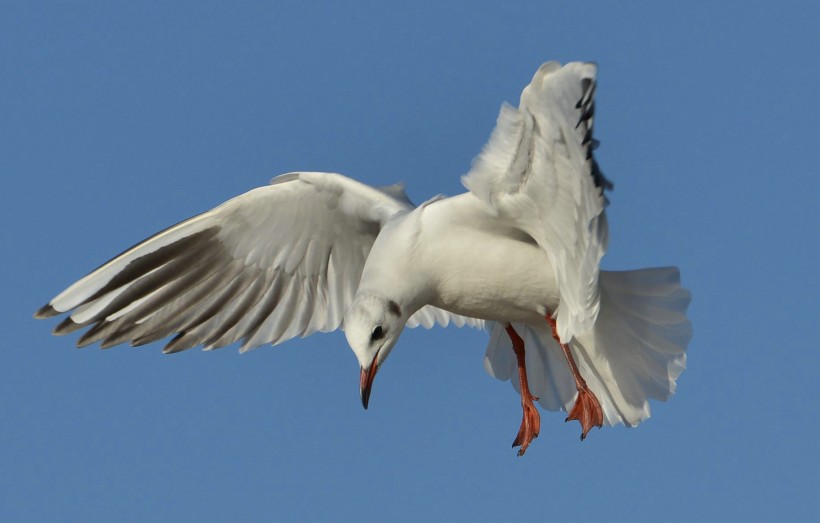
530, 425
587, 411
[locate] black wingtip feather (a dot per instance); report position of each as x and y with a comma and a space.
46, 311
587, 107
94, 334
67, 326
178, 344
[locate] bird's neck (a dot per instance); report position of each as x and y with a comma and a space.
391, 272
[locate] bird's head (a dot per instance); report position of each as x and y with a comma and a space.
372, 326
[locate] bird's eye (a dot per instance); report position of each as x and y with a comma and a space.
377, 334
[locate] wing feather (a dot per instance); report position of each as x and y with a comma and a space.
537, 172
276, 262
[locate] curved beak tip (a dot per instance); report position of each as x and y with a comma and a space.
366, 381
365, 397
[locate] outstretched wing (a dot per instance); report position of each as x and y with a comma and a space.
537, 172
276, 262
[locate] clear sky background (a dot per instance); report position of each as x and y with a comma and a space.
118, 119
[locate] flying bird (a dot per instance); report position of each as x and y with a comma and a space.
517, 254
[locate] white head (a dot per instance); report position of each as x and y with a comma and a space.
372, 327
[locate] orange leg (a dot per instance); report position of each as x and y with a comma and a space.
531, 424
587, 409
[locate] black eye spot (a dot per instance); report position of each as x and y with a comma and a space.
377, 334
394, 308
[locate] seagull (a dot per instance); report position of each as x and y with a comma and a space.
517, 254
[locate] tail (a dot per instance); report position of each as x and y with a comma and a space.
635, 351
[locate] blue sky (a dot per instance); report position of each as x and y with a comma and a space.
119, 119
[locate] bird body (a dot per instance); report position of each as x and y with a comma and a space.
459, 260
518, 254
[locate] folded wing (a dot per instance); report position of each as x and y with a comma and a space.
538, 172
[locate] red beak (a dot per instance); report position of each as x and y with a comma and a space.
366, 380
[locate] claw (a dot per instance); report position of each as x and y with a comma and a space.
587, 411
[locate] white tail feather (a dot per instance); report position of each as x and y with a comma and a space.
635, 351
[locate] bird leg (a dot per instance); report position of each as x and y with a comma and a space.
587, 409
531, 424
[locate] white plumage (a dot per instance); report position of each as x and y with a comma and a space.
538, 173
635, 351
315, 251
